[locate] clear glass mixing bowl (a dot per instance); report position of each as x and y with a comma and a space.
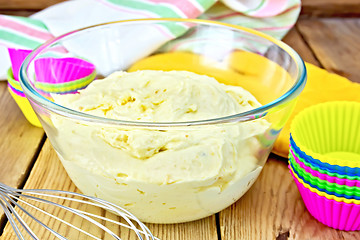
170, 184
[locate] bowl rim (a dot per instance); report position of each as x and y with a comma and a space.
292, 93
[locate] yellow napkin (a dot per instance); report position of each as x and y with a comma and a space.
261, 77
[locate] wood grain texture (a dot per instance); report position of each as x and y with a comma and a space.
330, 8
49, 173
309, 7
19, 140
294, 39
335, 43
273, 209
23, 13
26, 4
260, 214
18, 143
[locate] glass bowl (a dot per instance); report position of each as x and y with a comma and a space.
165, 172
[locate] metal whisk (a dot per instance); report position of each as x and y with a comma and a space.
24, 206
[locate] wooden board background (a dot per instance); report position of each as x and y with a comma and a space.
272, 209
310, 8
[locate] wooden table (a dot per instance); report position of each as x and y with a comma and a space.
272, 208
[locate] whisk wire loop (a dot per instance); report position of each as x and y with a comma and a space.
57, 218
9, 217
9, 209
126, 215
12, 199
70, 209
24, 225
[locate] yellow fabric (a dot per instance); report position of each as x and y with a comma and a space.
252, 72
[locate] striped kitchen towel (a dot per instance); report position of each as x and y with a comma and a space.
19, 33
274, 17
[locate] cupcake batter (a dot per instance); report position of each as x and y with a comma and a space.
169, 174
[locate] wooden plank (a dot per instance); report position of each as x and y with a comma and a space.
330, 8
19, 142
309, 7
49, 173
294, 39
335, 43
23, 13
26, 4
273, 209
